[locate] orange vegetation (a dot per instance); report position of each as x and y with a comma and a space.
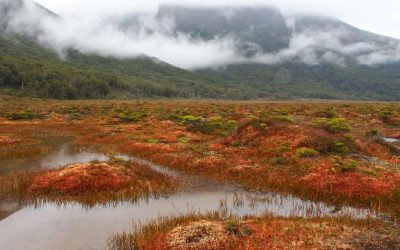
81, 178
89, 184
351, 183
309, 149
261, 233
6, 140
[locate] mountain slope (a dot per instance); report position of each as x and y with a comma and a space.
321, 57
27, 68
323, 81
254, 28
267, 30
328, 65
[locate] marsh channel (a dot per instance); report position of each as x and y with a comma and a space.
74, 226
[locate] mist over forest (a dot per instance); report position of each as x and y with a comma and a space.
243, 52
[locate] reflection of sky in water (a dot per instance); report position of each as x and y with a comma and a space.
50, 227
61, 153
391, 140
72, 227
66, 156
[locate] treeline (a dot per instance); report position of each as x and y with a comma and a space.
324, 81
74, 80
28, 69
62, 81
53, 81
21, 76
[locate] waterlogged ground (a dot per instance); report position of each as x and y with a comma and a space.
61, 153
227, 157
49, 225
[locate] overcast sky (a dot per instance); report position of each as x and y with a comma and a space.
378, 16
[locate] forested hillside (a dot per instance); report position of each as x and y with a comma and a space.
324, 81
29, 68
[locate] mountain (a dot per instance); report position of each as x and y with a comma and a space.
7, 8
335, 60
255, 28
27, 68
297, 57
266, 30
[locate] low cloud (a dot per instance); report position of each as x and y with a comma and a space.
157, 38
315, 47
92, 36
381, 56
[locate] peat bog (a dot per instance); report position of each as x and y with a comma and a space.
244, 172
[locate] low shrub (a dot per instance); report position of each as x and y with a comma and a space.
70, 110
278, 120
306, 152
75, 113
373, 133
340, 148
284, 112
222, 126
343, 166
327, 113
334, 125
369, 172
151, 140
278, 160
389, 117
75, 116
234, 227
27, 114
285, 147
190, 119
128, 115
211, 126
254, 122
183, 139
385, 114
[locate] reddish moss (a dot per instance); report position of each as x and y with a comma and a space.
351, 184
6, 140
88, 184
83, 178
207, 232
260, 154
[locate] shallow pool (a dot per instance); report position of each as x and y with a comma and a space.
73, 226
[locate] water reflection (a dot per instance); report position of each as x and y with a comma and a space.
61, 153
67, 155
72, 226
391, 140
52, 226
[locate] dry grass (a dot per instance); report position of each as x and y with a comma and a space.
147, 236
217, 231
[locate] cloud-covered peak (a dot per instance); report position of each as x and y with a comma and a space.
201, 37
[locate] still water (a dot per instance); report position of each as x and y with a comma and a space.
73, 226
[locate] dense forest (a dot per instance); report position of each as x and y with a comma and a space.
30, 70
324, 81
